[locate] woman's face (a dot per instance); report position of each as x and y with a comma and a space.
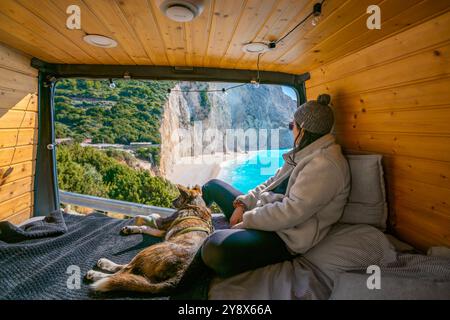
295, 130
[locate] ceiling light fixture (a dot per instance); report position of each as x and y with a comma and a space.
182, 10
258, 47
100, 41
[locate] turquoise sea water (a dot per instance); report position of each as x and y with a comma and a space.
245, 174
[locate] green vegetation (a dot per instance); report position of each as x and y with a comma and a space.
130, 112
107, 174
149, 154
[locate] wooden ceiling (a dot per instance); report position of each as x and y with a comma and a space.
214, 39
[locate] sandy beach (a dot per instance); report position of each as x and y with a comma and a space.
200, 169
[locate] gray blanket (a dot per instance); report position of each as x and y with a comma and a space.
45, 266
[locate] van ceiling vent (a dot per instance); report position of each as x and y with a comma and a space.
182, 10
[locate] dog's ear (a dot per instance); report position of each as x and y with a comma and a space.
197, 188
183, 190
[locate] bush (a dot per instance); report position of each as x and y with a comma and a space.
99, 173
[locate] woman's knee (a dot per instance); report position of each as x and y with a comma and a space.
215, 254
211, 183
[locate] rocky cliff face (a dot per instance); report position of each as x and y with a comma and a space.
206, 122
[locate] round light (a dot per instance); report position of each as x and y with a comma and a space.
180, 13
255, 47
182, 10
100, 41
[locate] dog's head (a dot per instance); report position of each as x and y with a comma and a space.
187, 196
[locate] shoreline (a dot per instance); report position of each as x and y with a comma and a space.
189, 171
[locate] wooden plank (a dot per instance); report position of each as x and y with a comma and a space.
432, 93
21, 216
434, 62
436, 173
11, 40
54, 37
17, 119
13, 155
17, 100
427, 171
27, 36
252, 18
109, 13
434, 227
15, 205
173, 35
409, 18
355, 36
92, 25
18, 81
139, 15
16, 188
53, 19
429, 34
415, 236
14, 137
197, 35
16, 61
426, 197
224, 21
413, 145
17, 171
431, 120
336, 16
285, 16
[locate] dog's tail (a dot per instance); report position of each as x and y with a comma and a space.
132, 282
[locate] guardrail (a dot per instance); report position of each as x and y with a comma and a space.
110, 205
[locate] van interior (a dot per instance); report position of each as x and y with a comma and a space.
69, 67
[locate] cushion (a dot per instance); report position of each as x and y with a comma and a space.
353, 286
367, 200
351, 247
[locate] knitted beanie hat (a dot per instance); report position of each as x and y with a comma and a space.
316, 116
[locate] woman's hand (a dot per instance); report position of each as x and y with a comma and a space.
236, 217
238, 226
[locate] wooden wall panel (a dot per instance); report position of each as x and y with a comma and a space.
393, 98
145, 36
18, 134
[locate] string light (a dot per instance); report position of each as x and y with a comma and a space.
112, 85
317, 13
223, 90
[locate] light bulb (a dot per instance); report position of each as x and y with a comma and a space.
315, 21
255, 83
112, 85
317, 13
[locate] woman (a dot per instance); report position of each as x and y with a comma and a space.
293, 210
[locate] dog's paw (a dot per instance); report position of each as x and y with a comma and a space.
90, 275
125, 231
103, 264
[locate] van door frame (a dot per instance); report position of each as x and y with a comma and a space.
46, 193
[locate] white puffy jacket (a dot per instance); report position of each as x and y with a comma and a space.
316, 193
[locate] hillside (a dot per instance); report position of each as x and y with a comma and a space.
130, 112
110, 174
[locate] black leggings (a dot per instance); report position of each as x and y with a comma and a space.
232, 251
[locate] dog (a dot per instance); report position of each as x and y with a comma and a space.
159, 268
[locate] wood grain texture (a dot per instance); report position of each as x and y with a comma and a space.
18, 132
393, 98
146, 36
21, 216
